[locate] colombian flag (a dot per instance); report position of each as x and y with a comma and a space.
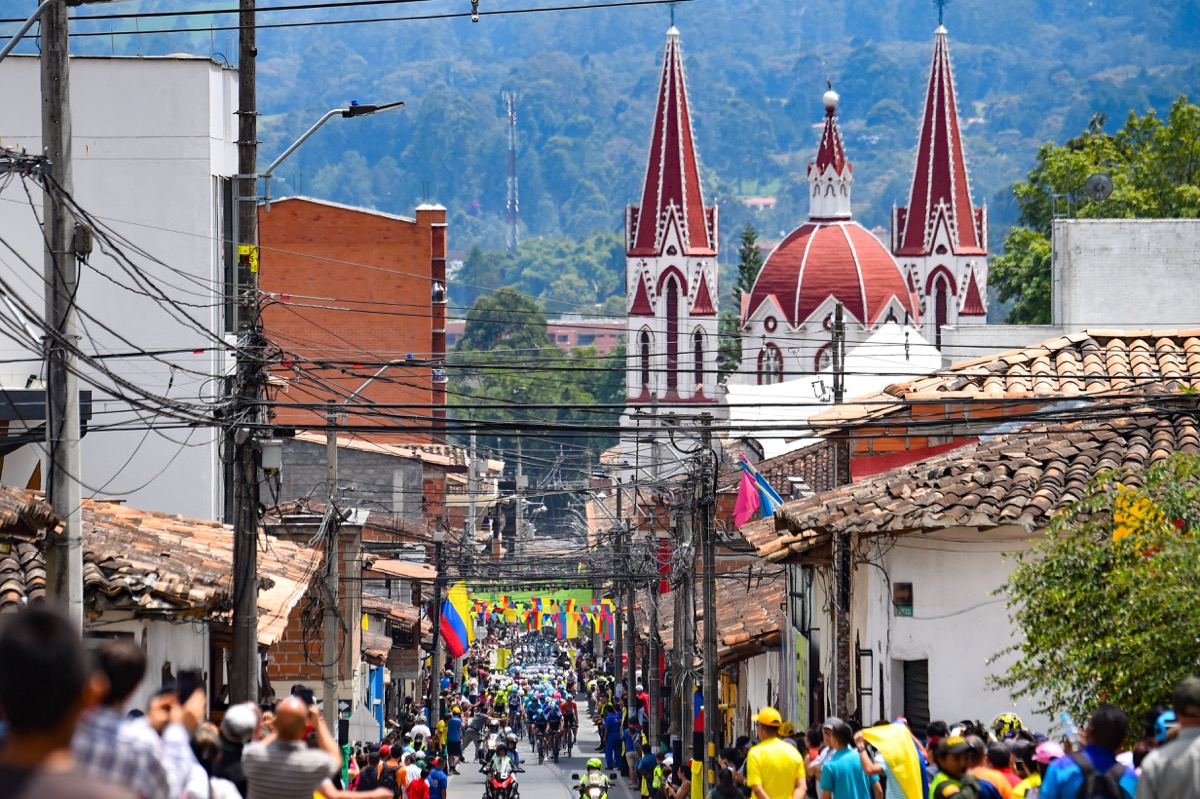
896, 745
457, 630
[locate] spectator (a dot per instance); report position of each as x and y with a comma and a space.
1105, 733
237, 729
282, 767
1000, 758
1000, 788
44, 687
842, 774
774, 769
151, 756
206, 746
439, 783
1173, 770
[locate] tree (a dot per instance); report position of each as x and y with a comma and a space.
1106, 602
1155, 169
729, 338
506, 319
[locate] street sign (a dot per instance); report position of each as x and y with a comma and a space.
344, 707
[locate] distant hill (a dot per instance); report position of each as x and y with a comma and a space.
1028, 71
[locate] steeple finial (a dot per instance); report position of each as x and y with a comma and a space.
941, 7
672, 8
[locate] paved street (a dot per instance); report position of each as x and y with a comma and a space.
547, 781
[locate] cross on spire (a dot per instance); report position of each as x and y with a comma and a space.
671, 6
941, 7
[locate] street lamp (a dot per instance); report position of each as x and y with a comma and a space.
356, 109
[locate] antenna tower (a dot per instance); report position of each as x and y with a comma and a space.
511, 201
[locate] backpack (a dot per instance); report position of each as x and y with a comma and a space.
1095, 784
388, 779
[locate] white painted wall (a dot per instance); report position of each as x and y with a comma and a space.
150, 134
1126, 273
183, 645
958, 623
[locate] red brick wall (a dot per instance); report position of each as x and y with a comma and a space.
373, 275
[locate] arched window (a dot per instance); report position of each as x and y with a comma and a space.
644, 354
940, 310
698, 357
672, 334
770, 365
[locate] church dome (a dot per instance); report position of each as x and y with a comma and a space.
838, 259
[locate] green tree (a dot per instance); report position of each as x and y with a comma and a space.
729, 337
1106, 603
1155, 168
750, 263
506, 320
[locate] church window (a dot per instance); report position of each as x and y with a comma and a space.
770, 365
644, 357
672, 334
940, 310
698, 357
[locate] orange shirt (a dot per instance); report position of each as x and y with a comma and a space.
995, 778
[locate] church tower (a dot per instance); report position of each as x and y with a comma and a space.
940, 238
671, 284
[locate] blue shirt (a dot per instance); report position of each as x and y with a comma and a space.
438, 782
445, 683
1064, 778
612, 724
454, 729
842, 773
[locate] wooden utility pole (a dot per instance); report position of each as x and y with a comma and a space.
64, 555
243, 666
712, 702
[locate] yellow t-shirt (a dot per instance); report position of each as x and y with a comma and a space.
1032, 781
775, 765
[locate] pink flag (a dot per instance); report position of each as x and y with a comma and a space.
747, 500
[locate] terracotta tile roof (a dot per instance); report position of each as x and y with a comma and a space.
399, 612
24, 514
144, 560
749, 617
391, 567
446, 455
1083, 364
1019, 478
376, 646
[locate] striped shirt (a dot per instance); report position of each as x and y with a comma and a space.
285, 769
130, 753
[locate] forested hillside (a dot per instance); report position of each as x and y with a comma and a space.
1028, 72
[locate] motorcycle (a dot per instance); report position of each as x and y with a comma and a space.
502, 782
594, 787
489, 746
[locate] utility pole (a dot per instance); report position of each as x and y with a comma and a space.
331, 660
685, 630
712, 703
243, 667
839, 353
64, 556
653, 674
432, 701
631, 628
472, 484
520, 485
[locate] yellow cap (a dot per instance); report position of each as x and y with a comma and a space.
769, 717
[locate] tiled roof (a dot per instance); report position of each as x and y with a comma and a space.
749, 616
1083, 364
399, 612
376, 646
446, 455
144, 560
1019, 478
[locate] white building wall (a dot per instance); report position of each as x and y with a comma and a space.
1126, 273
150, 135
181, 645
958, 623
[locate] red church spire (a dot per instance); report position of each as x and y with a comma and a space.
672, 187
940, 190
830, 175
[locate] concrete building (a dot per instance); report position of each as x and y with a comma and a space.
154, 146
568, 331
1105, 273
353, 292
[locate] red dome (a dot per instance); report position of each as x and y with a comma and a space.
839, 259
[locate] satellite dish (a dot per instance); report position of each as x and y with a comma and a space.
1098, 187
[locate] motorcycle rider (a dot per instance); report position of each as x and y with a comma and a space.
504, 753
593, 767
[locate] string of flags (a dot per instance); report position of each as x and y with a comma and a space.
566, 618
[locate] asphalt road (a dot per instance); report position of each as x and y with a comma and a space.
548, 781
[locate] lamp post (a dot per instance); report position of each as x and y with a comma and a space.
356, 109
432, 701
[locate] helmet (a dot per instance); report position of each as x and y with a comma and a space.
1164, 722
511, 737
1006, 724
595, 763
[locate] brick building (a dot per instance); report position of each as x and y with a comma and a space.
349, 291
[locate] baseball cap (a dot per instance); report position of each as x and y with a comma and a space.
954, 745
829, 722
239, 723
385, 750
1047, 752
769, 717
